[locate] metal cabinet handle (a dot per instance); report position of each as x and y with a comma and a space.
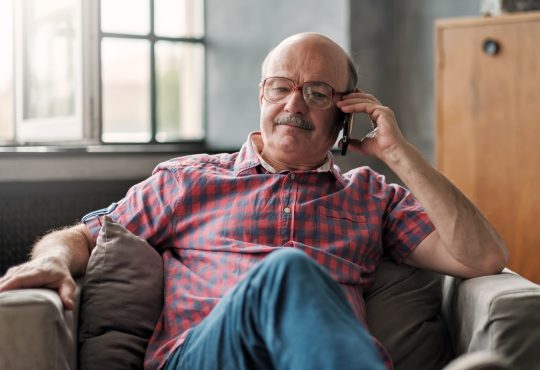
491, 47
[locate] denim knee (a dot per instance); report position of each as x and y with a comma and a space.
289, 262
288, 256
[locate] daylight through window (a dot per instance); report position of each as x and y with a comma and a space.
111, 71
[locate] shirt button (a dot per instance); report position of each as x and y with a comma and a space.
287, 210
293, 176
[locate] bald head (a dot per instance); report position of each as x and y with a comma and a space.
316, 46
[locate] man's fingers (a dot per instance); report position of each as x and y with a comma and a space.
6, 283
18, 278
45, 272
360, 106
66, 290
360, 95
21, 278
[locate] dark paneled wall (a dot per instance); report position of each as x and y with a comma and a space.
29, 209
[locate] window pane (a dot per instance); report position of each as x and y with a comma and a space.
179, 70
6, 70
187, 20
49, 58
126, 90
125, 16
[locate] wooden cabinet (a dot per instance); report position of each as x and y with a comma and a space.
488, 124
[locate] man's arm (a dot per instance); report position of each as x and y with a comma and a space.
464, 243
55, 259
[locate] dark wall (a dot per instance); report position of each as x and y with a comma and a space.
30, 209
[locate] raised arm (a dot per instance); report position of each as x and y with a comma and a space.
464, 243
55, 260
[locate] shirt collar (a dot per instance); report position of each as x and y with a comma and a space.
249, 157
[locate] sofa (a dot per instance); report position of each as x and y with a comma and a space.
423, 319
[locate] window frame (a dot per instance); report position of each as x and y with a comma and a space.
89, 89
71, 127
153, 39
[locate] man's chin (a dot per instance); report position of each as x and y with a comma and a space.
291, 139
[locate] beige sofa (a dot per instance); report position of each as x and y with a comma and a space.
424, 320
496, 313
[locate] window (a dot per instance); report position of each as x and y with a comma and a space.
109, 71
6, 71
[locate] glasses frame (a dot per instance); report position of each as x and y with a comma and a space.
300, 88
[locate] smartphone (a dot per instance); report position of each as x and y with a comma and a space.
347, 130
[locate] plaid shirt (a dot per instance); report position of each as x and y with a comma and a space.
213, 217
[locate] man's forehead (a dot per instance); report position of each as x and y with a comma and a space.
308, 57
307, 65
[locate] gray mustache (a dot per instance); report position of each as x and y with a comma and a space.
295, 121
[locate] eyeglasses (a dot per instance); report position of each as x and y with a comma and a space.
317, 95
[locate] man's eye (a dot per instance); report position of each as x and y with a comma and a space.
281, 90
318, 96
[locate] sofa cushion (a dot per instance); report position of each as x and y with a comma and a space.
36, 331
402, 308
499, 313
121, 300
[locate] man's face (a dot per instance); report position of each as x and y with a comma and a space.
302, 147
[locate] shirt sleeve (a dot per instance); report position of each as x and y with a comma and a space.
405, 222
147, 210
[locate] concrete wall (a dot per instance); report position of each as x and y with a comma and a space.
240, 33
392, 42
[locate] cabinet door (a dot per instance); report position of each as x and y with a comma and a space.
488, 126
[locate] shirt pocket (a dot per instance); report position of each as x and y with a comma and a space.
345, 235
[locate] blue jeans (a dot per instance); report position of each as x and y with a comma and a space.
287, 313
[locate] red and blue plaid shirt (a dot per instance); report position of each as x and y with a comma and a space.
213, 217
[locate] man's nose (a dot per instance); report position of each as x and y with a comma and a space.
296, 102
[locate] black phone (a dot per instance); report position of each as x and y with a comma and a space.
347, 130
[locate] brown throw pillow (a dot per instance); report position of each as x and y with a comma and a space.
403, 313
121, 300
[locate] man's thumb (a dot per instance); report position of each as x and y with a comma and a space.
67, 294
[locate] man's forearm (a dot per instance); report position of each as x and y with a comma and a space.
463, 230
71, 246
56, 259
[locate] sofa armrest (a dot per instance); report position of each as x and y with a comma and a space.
37, 333
498, 313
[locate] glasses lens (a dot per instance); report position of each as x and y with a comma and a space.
277, 88
317, 95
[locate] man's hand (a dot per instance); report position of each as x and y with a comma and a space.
388, 136
46, 272
55, 259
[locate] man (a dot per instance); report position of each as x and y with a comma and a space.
267, 250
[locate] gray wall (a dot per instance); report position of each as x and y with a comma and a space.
240, 33
392, 43
391, 40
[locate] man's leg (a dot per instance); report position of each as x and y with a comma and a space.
287, 313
